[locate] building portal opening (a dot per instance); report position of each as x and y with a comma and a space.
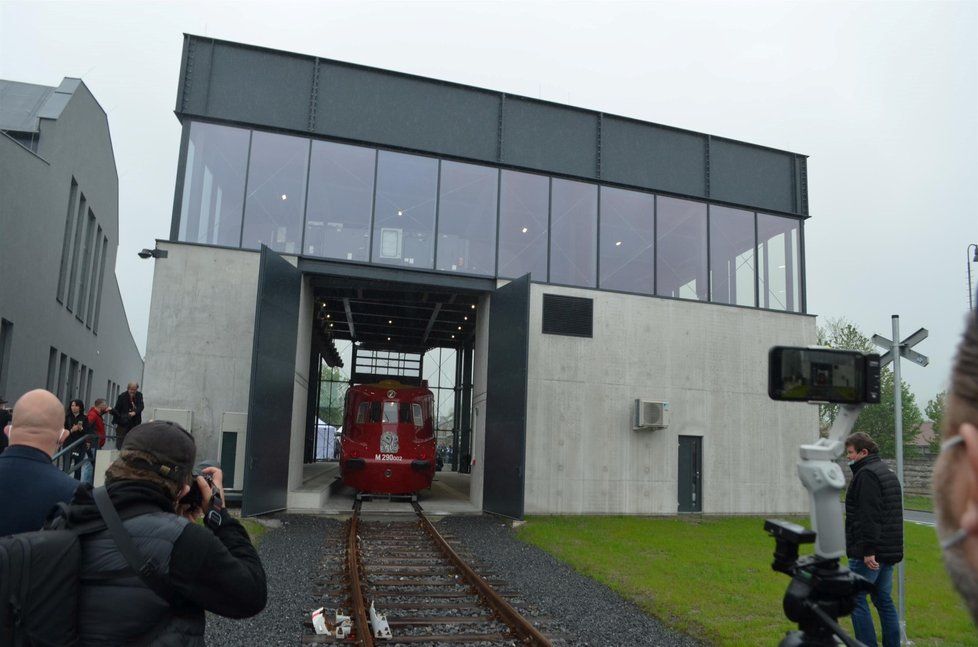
368, 331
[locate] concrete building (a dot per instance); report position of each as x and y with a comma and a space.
62, 322
610, 287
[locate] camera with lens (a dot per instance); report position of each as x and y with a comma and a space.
194, 499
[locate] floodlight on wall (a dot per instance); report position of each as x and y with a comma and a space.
152, 253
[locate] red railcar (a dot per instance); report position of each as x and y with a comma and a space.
388, 440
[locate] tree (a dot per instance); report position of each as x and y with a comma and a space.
842, 334
877, 420
935, 413
332, 390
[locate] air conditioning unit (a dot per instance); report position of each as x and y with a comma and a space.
651, 414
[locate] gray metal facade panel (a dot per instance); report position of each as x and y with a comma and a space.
506, 382
745, 174
406, 112
260, 87
550, 138
269, 427
653, 157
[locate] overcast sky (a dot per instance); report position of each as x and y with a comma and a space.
882, 97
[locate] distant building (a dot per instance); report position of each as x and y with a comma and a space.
609, 288
62, 323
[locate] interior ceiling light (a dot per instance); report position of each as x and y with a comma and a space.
618, 244
525, 230
285, 197
400, 213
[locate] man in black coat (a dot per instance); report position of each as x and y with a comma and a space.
211, 567
874, 536
127, 412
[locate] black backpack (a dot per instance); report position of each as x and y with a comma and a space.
40, 578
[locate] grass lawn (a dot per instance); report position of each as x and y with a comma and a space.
918, 502
711, 577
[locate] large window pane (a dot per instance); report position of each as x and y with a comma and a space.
779, 265
214, 185
276, 192
680, 248
574, 233
340, 202
731, 256
524, 203
627, 241
404, 216
467, 218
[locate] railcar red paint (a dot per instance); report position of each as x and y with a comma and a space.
388, 440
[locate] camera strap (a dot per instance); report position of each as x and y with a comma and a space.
146, 568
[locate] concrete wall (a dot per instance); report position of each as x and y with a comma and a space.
480, 365
708, 361
201, 329
36, 189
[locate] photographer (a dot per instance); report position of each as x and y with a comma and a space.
956, 473
213, 567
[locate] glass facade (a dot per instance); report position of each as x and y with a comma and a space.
244, 188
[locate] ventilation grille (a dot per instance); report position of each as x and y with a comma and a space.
570, 316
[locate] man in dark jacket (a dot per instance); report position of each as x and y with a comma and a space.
212, 567
30, 483
874, 537
127, 412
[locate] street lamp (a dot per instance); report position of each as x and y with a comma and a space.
971, 259
162, 253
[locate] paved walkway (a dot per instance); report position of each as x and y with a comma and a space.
916, 516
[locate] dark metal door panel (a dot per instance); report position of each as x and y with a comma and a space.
266, 473
690, 474
505, 453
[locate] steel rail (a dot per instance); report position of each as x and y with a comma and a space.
522, 627
364, 633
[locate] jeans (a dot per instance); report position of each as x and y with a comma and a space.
88, 470
862, 620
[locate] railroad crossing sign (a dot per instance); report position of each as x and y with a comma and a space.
895, 352
905, 347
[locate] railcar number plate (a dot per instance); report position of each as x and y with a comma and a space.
386, 457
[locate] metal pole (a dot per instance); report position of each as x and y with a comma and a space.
898, 416
971, 294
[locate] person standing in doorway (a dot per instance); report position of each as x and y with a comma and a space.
874, 537
127, 412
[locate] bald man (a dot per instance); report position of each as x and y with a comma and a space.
30, 485
956, 473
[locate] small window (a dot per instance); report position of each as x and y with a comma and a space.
390, 412
418, 417
571, 316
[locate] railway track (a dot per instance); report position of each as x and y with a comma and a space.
421, 589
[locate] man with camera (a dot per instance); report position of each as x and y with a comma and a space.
211, 567
956, 473
874, 537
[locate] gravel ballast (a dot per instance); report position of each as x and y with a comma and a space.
591, 614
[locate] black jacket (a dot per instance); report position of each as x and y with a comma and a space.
217, 571
874, 512
121, 416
